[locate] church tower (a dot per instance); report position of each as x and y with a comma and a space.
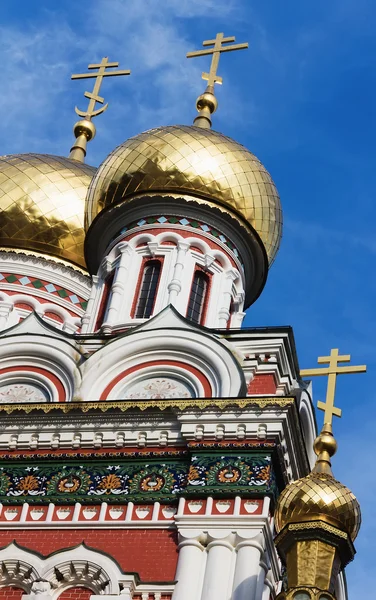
147, 439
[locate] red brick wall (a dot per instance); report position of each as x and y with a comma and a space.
11, 593
76, 593
262, 384
152, 553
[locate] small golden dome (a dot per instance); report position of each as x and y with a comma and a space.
42, 205
319, 496
195, 161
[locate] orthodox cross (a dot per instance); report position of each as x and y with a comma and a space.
93, 96
212, 76
332, 371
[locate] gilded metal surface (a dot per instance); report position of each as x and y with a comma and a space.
319, 496
123, 406
332, 371
42, 200
191, 160
311, 563
318, 525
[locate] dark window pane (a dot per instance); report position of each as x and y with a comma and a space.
197, 298
148, 289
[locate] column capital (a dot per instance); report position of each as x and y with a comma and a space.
123, 247
152, 247
222, 543
249, 544
232, 274
183, 246
209, 259
191, 536
191, 542
254, 539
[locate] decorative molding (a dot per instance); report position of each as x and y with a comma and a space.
69, 270
125, 405
154, 515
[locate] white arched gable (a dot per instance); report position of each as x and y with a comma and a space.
35, 347
167, 344
68, 568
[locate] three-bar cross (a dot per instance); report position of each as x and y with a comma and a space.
332, 371
94, 95
218, 47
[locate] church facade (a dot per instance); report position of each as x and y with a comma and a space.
145, 435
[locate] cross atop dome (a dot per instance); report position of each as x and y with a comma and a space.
85, 130
332, 371
207, 103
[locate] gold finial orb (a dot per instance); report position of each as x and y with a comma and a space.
196, 163
86, 128
207, 100
42, 205
325, 443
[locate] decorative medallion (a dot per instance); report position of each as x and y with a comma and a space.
161, 480
158, 388
69, 481
22, 393
228, 471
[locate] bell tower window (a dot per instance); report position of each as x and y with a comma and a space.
198, 297
147, 290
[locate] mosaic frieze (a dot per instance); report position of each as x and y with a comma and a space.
141, 479
43, 286
93, 481
221, 474
180, 221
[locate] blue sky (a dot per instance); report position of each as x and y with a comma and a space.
302, 98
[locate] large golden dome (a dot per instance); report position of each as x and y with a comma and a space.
42, 204
319, 497
195, 161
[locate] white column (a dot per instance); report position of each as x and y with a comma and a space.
174, 287
224, 311
247, 569
261, 579
88, 316
218, 569
191, 558
118, 286
269, 590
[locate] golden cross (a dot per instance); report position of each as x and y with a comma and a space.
212, 76
93, 96
332, 371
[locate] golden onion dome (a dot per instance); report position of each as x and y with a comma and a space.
195, 161
319, 497
42, 205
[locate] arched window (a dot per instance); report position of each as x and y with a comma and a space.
147, 290
197, 298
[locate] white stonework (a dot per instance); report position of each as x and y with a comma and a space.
56, 274
230, 556
179, 263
